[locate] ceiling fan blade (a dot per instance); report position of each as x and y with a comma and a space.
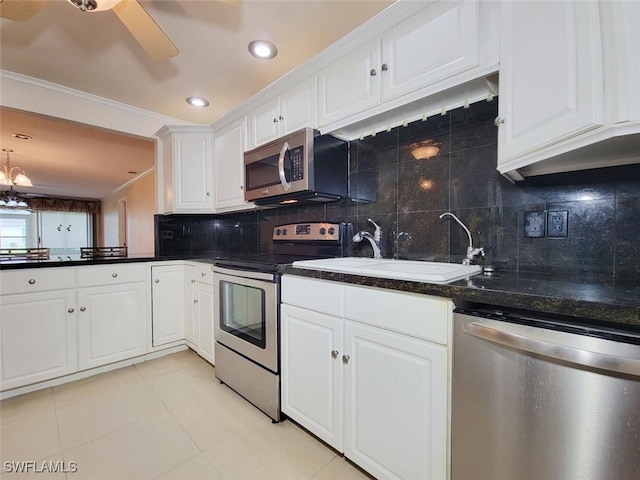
19, 10
145, 30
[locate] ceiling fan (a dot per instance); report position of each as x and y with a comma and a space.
139, 23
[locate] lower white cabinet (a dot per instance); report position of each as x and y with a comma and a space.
37, 337
204, 321
112, 323
379, 396
190, 325
167, 304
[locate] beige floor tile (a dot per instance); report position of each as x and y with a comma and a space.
95, 386
213, 418
32, 438
181, 386
24, 406
140, 451
198, 468
270, 451
52, 468
340, 469
163, 365
88, 419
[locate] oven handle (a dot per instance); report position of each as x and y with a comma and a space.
269, 277
283, 178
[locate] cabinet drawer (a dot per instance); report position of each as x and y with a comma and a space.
318, 295
204, 273
111, 274
416, 315
37, 280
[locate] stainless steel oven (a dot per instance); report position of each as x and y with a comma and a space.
246, 309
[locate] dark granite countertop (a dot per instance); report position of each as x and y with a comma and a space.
595, 300
145, 257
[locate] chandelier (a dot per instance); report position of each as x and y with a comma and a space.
13, 175
12, 200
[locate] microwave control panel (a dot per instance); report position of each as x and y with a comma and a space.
296, 156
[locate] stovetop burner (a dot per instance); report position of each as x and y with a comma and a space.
292, 242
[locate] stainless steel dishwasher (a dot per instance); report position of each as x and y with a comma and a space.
543, 398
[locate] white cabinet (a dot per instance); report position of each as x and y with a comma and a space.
395, 403
291, 111
37, 325
312, 372
228, 161
425, 52
190, 325
367, 373
199, 324
568, 94
184, 169
112, 317
168, 304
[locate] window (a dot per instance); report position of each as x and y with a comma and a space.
17, 230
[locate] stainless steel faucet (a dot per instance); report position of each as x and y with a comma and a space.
472, 252
374, 239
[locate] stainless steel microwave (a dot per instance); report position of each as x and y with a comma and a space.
302, 166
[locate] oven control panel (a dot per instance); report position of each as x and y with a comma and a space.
313, 231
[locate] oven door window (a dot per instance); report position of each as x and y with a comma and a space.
242, 312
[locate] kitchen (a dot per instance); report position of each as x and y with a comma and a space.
532, 272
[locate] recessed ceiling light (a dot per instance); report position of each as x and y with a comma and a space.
21, 136
263, 49
198, 101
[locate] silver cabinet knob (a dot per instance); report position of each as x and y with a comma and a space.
384, 67
334, 353
114, 275
345, 359
83, 309
71, 310
193, 280
280, 117
208, 194
203, 274
373, 72
195, 300
157, 281
275, 120
498, 121
32, 281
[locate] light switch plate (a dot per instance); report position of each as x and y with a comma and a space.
534, 223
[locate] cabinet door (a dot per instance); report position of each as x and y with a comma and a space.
439, 42
37, 337
550, 74
229, 147
312, 372
265, 123
395, 404
299, 107
111, 323
168, 300
190, 325
349, 85
204, 319
192, 153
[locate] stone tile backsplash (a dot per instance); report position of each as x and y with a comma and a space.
406, 197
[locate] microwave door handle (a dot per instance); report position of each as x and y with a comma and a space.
283, 179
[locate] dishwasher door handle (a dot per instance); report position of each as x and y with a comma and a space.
505, 334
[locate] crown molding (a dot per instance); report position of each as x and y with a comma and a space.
38, 96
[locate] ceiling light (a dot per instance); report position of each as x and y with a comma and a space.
21, 136
263, 49
94, 5
12, 200
198, 101
13, 175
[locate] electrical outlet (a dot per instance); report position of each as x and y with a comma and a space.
557, 223
534, 224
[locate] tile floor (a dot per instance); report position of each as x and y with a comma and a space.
165, 419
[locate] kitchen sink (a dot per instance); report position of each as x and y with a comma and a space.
416, 271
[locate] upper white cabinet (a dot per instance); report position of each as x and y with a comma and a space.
425, 53
288, 112
568, 100
184, 169
228, 159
